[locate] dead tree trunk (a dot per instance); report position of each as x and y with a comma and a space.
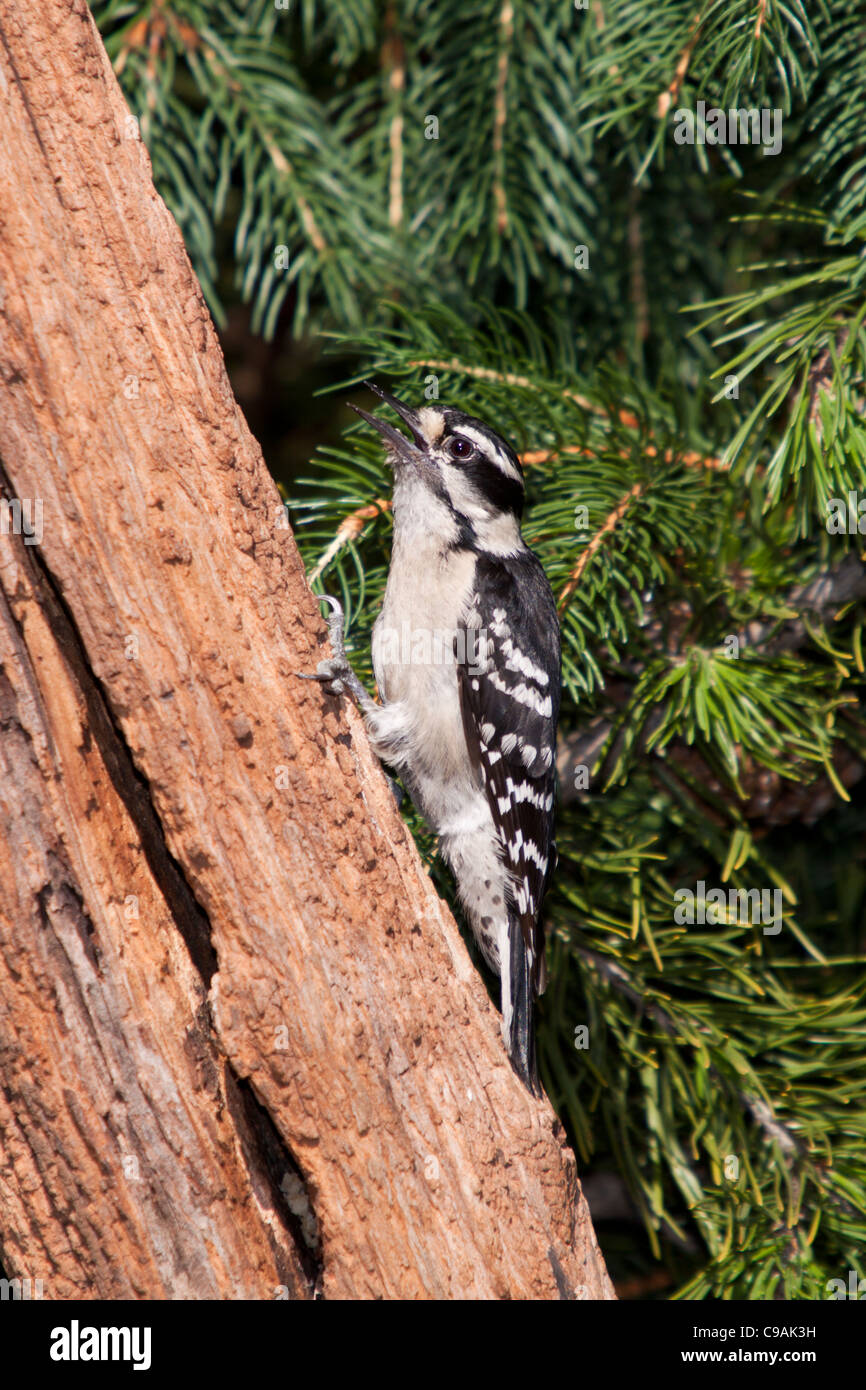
242, 1046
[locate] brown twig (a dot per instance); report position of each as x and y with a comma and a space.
150, 31
306, 213
349, 529
691, 457
667, 98
500, 113
610, 524
394, 63
453, 364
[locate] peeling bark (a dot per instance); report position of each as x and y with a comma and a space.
221, 956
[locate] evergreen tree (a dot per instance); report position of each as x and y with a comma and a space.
497, 205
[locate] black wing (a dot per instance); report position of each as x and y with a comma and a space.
509, 695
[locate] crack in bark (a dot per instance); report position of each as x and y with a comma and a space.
275, 1176
132, 788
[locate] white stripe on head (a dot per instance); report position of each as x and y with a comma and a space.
488, 448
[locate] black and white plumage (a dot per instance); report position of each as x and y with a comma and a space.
468, 716
509, 699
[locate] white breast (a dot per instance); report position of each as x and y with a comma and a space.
419, 727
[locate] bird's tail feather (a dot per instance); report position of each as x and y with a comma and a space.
520, 1020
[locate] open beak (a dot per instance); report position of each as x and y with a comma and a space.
410, 450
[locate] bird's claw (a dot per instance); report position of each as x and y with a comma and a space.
329, 674
336, 673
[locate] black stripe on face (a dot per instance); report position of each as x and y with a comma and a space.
504, 493
466, 539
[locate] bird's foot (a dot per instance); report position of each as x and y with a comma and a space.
335, 673
338, 678
328, 674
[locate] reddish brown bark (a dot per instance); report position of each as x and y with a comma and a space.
292, 996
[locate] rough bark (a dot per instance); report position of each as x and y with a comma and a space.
222, 964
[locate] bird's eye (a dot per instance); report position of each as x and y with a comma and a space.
460, 448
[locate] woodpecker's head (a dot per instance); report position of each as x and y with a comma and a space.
463, 462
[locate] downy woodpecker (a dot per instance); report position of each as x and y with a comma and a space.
466, 655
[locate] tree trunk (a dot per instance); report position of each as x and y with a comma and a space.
242, 1046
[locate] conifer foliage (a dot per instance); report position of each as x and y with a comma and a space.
538, 211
